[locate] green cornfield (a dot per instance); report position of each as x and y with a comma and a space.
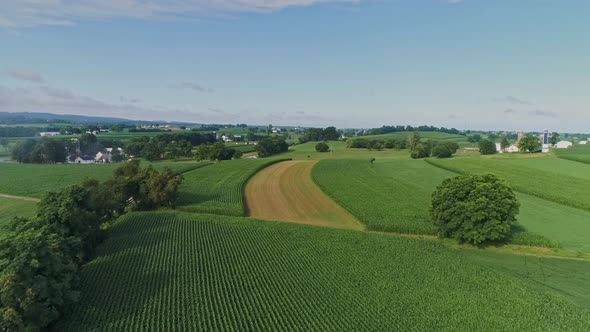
10, 208
557, 180
219, 188
170, 271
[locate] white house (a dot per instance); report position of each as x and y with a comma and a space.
512, 149
103, 157
563, 145
584, 142
49, 133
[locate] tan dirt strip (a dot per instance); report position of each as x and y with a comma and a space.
22, 198
286, 192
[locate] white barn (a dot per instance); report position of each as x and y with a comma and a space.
563, 145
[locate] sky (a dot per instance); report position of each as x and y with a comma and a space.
468, 64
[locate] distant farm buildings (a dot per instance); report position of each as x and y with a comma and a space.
49, 133
563, 145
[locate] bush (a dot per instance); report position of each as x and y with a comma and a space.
322, 147
474, 208
487, 147
441, 151
419, 152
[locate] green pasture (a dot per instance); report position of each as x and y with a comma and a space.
338, 150
35, 180
219, 188
175, 271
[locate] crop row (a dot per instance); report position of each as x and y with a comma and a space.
175, 271
219, 188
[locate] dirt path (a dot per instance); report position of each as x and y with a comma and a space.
286, 192
23, 198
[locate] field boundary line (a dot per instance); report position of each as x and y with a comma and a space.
22, 198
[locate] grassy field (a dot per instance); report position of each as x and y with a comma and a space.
219, 188
425, 135
171, 271
579, 153
556, 180
35, 180
10, 208
338, 150
286, 192
388, 195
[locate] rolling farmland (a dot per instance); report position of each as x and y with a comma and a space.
219, 188
176, 271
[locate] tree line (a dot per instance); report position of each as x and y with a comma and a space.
319, 134
40, 257
408, 128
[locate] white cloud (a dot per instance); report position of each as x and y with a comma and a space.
30, 13
192, 86
24, 75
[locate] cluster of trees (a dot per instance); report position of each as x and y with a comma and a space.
399, 129
474, 208
271, 145
47, 151
40, 258
530, 144
377, 144
167, 146
319, 134
216, 151
322, 147
419, 149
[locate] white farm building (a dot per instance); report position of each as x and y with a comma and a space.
563, 145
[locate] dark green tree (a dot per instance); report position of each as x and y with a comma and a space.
530, 144
474, 208
554, 138
442, 151
505, 144
487, 147
322, 147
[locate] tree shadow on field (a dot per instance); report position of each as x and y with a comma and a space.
123, 280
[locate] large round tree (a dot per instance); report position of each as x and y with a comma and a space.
474, 208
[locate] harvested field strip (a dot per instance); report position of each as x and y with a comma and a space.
286, 192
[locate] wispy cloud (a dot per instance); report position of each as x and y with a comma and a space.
454, 1
543, 113
510, 111
512, 100
192, 86
128, 100
25, 75
30, 13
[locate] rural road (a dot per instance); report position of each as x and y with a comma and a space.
23, 198
286, 192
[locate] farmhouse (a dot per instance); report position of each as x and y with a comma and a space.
512, 149
584, 142
563, 145
49, 133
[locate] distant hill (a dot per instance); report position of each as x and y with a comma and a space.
33, 117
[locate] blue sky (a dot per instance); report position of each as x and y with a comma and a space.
481, 64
